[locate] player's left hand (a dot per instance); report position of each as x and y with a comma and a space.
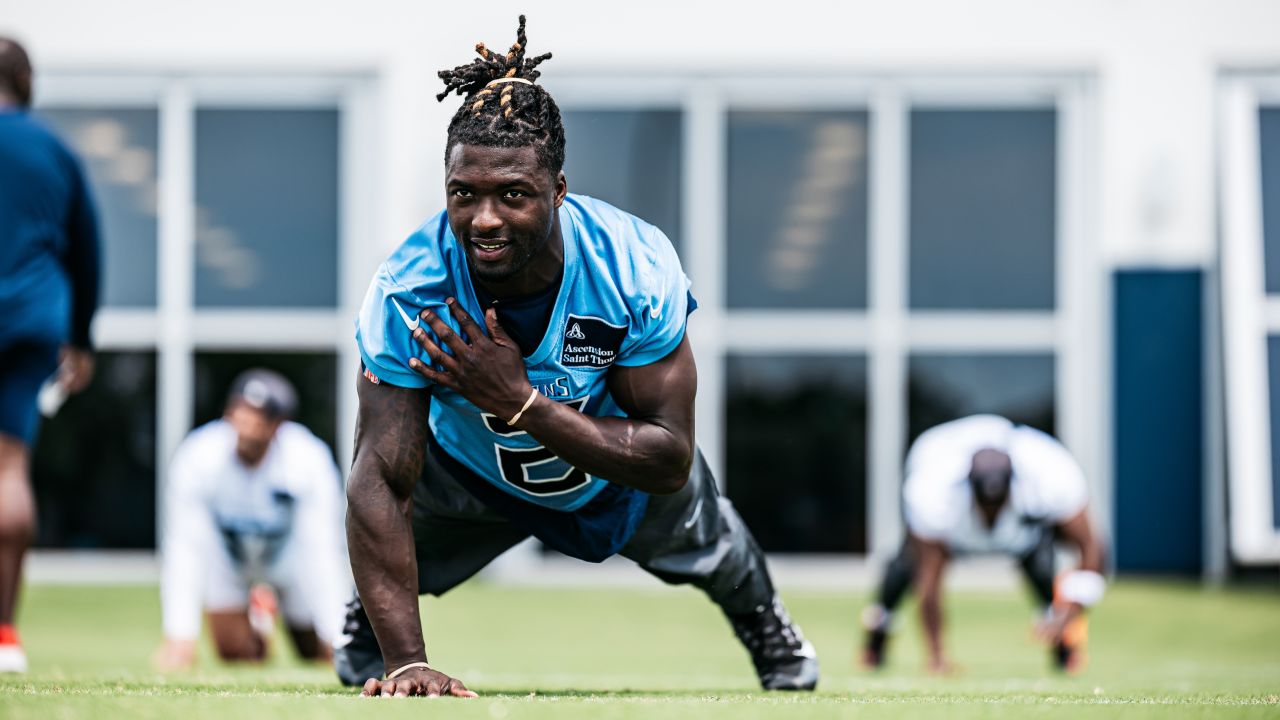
486, 369
417, 682
75, 368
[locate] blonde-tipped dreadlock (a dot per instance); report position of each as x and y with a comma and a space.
512, 112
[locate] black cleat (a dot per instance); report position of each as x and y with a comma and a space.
1060, 654
875, 621
873, 650
356, 655
784, 660
1068, 653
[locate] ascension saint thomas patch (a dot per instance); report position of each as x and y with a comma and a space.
591, 342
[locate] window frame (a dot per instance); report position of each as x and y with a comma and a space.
1247, 316
887, 332
176, 329
1075, 332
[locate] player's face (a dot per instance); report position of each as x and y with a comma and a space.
501, 207
254, 432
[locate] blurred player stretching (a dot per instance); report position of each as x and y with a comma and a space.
982, 484
48, 295
252, 498
526, 372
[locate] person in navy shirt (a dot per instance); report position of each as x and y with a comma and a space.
48, 295
526, 373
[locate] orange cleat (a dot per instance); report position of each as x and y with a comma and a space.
12, 657
1069, 651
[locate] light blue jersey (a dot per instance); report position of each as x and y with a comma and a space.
624, 300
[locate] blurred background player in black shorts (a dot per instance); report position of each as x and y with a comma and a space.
984, 485
48, 295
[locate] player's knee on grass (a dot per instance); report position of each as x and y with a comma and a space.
308, 644
1039, 566
241, 650
234, 638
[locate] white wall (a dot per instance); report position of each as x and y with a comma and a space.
1155, 64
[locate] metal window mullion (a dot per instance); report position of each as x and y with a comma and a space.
357, 192
793, 332
982, 331
1085, 203
175, 277
124, 328
887, 261
703, 213
1083, 326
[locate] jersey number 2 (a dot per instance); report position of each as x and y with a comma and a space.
517, 465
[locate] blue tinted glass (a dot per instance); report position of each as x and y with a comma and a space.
797, 227
630, 159
1269, 145
795, 449
983, 209
118, 149
266, 208
941, 388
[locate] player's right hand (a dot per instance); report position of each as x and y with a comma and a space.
418, 681
174, 654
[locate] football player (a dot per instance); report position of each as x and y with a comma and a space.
526, 372
983, 484
49, 272
253, 501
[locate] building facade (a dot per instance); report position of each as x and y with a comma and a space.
893, 214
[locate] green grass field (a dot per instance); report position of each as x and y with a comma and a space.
1162, 650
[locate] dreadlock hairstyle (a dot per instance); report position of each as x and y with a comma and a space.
510, 113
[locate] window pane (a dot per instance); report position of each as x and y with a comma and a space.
267, 208
983, 203
118, 149
94, 466
947, 387
1269, 144
797, 229
796, 449
313, 375
630, 159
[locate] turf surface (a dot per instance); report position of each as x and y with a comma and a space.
1157, 650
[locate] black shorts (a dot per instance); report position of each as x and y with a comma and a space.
24, 366
693, 536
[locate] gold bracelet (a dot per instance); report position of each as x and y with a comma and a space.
405, 668
533, 395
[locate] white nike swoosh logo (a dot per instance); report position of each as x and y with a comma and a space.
413, 324
697, 510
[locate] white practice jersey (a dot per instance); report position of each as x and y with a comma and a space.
228, 525
1048, 486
